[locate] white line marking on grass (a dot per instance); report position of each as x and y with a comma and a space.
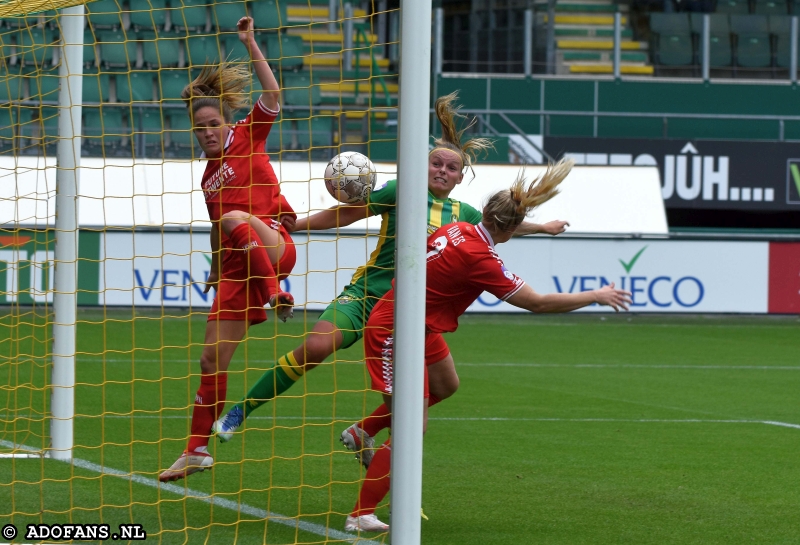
310, 527
633, 366
782, 424
463, 419
99, 359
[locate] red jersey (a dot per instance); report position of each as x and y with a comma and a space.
462, 264
243, 179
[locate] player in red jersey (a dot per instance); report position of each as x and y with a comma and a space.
246, 208
462, 264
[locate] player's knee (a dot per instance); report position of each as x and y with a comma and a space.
208, 363
317, 348
450, 387
231, 219
445, 388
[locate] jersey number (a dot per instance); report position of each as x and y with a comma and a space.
438, 247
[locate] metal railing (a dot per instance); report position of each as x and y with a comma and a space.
545, 116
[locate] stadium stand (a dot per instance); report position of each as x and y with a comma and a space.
671, 40
139, 55
780, 28
748, 39
584, 39
721, 53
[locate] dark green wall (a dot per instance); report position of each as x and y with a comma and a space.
632, 96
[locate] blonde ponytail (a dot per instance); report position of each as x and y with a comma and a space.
221, 87
506, 209
447, 111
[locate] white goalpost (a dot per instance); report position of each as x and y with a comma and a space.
412, 194
65, 299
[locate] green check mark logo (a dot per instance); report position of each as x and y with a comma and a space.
796, 176
208, 258
629, 265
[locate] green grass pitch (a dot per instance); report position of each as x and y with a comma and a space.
566, 429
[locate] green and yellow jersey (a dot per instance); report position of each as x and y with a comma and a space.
375, 277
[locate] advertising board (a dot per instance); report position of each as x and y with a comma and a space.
663, 275
151, 269
706, 174
784, 277
169, 269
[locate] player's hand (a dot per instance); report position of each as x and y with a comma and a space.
245, 28
283, 303
555, 227
614, 298
211, 281
288, 222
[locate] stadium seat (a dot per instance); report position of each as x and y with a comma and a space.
158, 51
89, 49
105, 14
96, 87
7, 46
285, 50
39, 126
135, 86
672, 39
279, 136
171, 84
721, 53
771, 7
180, 130
43, 86
315, 132
780, 27
23, 21
235, 50
269, 14
11, 87
297, 90
35, 46
103, 126
148, 128
732, 7
149, 15
225, 15
7, 124
752, 40
201, 50
190, 14
117, 49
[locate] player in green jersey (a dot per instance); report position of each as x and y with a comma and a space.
342, 323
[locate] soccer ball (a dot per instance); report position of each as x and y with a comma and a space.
350, 177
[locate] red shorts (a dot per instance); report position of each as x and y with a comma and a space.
379, 348
242, 298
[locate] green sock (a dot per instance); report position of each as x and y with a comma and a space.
271, 384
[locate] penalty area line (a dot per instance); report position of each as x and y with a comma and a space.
243, 508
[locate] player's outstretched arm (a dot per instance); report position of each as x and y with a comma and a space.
338, 216
528, 299
271, 91
555, 227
